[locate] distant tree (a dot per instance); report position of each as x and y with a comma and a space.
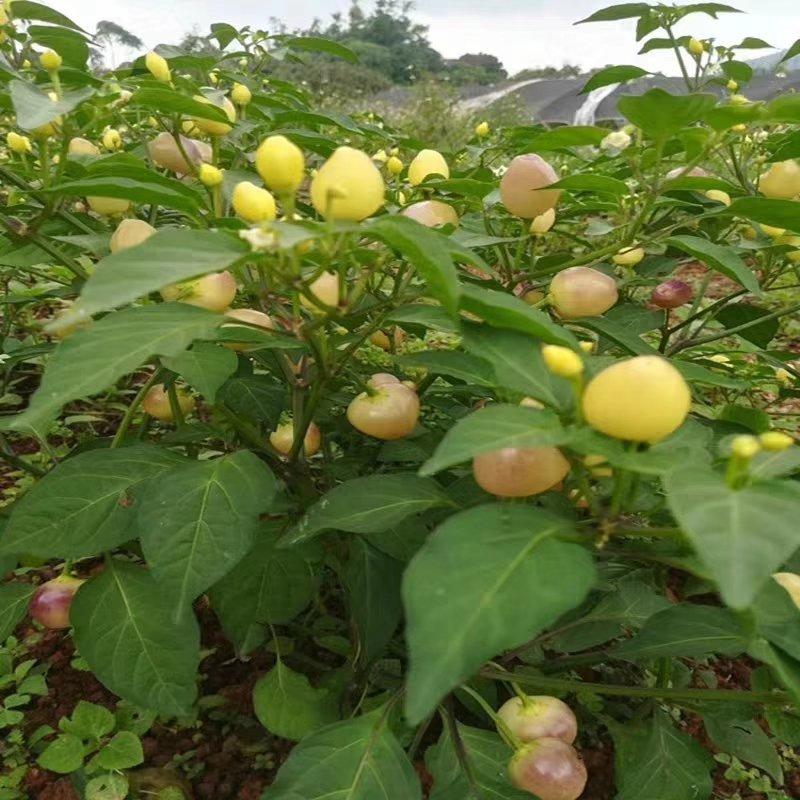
108, 33
564, 71
480, 68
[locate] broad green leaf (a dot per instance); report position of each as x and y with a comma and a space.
135, 183
205, 367
71, 45
358, 759
373, 589
560, 138
91, 360
124, 751
597, 184
63, 755
87, 504
370, 504
659, 113
494, 428
616, 74
169, 102
167, 257
784, 108
451, 363
620, 334
287, 705
619, 11
760, 334
423, 316
711, 9
257, 398
199, 521
742, 536
90, 721
516, 362
427, 250
722, 259
733, 730
696, 373
777, 618
685, 631
269, 585
655, 761
775, 465
737, 70
14, 599
125, 628
33, 107
487, 756
318, 44
793, 51
778, 213
629, 604
492, 577
502, 310
28, 10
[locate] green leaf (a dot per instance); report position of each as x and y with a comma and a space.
517, 363
775, 465
599, 184
370, 504
91, 360
427, 250
760, 334
494, 428
451, 363
566, 136
619, 11
487, 756
287, 705
491, 578
124, 751
793, 51
629, 604
28, 10
90, 721
167, 257
778, 213
358, 759
655, 761
205, 367
373, 587
170, 102
270, 585
317, 44
198, 522
733, 730
14, 599
125, 628
722, 259
624, 336
685, 631
616, 74
661, 114
742, 536
737, 70
256, 398
85, 505
711, 9
135, 183
34, 108
68, 43
502, 310
777, 618
63, 755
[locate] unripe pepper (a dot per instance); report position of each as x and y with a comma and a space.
281, 164
425, 164
252, 203
348, 186
158, 67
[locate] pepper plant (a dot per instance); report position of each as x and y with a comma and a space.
492, 450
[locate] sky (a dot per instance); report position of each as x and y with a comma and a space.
521, 33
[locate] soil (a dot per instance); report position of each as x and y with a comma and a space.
226, 755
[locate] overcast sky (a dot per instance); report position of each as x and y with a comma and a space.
521, 33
